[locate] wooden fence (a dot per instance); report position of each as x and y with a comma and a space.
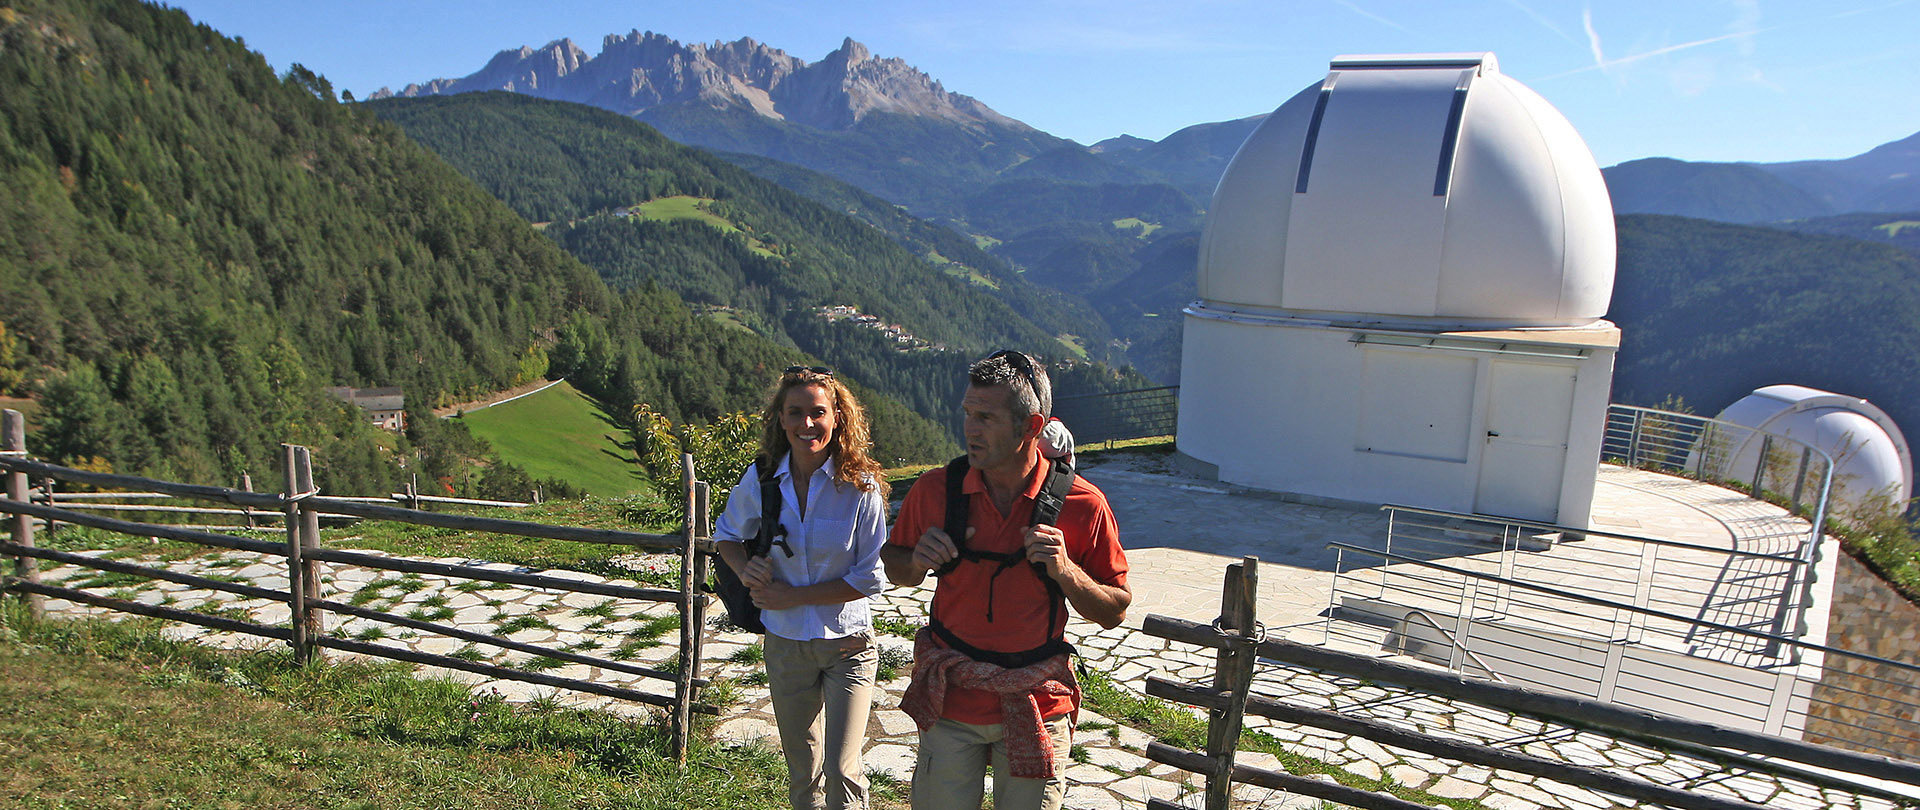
1241, 643
300, 507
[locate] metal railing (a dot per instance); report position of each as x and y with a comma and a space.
1746, 589
1571, 639
1760, 462
1596, 752
1134, 414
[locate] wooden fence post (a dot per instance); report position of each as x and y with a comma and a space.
313, 617
13, 438
46, 499
303, 532
683, 683
1233, 676
413, 492
703, 504
246, 485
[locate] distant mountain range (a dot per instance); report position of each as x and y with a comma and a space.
1116, 223
1075, 218
1884, 179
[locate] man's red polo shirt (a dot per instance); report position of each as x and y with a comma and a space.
1019, 598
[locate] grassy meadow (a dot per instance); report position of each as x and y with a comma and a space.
560, 433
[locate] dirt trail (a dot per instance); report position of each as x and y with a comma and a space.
495, 397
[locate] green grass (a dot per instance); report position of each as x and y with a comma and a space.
683, 207
111, 714
560, 433
750, 654
958, 270
1893, 229
1144, 227
696, 209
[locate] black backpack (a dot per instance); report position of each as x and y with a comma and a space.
1048, 502
733, 593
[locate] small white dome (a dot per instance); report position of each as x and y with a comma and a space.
1873, 466
1424, 188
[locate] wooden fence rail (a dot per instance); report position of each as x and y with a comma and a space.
300, 507
1239, 638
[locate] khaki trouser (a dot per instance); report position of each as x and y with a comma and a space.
822, 692
953, 763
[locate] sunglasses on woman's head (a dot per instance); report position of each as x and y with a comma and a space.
822, 371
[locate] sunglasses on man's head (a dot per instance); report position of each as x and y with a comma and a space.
1021, 363
822, 371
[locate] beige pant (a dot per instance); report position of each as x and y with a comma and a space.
822, 693
953, 764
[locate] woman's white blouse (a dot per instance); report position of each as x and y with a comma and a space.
840, 538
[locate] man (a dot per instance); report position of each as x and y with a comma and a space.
992, 680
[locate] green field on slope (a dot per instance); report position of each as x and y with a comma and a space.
559, 433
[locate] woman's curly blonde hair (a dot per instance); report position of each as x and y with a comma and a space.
852, 436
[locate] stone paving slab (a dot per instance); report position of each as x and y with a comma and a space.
1181, 535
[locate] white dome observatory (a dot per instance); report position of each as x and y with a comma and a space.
1873, 468
1401, 284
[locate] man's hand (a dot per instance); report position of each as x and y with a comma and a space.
1047, 545
936, 549
758, 573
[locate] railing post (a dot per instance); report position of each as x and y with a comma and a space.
1760, 466
13, 438
1642, 592
1633, 440
1233, 676
1800, 478
1463, 624
303, 532
683, 682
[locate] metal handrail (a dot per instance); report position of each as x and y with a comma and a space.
1810, 548
1451, 641
1649, 612
1553, 527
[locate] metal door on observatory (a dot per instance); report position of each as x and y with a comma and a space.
1526, 440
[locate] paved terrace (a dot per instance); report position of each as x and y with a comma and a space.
1181, 533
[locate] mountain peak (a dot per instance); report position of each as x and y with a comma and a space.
637, 71
854, 52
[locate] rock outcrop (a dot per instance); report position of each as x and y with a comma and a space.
639, 71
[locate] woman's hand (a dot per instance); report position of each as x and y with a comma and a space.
758, 573
775, 595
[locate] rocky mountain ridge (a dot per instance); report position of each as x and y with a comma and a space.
638, 71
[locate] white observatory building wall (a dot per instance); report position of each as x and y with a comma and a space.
1473, 424
1401, 288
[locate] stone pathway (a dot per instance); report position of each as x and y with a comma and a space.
1180, 534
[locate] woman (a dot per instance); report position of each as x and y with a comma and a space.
813, 589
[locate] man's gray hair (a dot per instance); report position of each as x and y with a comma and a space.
1024, 376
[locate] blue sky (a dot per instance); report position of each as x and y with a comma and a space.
1692, 79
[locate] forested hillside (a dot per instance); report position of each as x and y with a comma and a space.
1900, 230
1710, 312
192, 247
768, 257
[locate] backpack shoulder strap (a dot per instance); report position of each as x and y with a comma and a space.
771, 532
956, 524
1053, 493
